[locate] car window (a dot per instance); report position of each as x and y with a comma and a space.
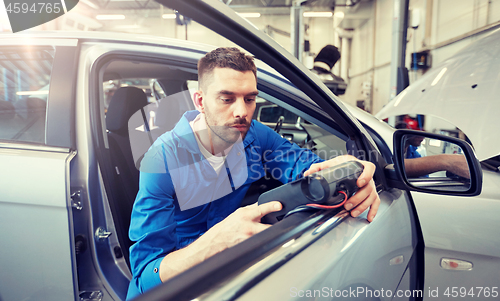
158, 90
24, 92
271, 113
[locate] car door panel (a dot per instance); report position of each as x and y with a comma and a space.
34, 210
353, 256
341, 254
38, 257
473, 220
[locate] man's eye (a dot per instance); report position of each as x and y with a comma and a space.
227, 99
250, 99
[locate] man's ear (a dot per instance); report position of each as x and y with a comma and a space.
198, 101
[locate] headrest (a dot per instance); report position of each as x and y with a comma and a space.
124, 103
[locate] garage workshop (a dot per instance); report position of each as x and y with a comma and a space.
249, 150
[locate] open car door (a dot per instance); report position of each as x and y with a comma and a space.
319, 254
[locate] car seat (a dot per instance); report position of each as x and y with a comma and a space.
125, 184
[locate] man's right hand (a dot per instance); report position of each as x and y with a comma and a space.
238, 226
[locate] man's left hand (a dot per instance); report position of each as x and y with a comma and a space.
366, 196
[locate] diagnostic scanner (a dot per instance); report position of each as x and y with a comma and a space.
321, 187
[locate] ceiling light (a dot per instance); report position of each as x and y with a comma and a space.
318, 14
33, 92
110, 17
135, 26
249, 15
168, 16
339, 14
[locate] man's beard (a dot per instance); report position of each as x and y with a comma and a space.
227, 132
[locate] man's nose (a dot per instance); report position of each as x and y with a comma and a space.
240, 108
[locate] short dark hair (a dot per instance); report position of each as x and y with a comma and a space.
224, 57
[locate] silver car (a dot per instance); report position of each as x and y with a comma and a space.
80, 109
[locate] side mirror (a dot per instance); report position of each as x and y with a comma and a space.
435, 163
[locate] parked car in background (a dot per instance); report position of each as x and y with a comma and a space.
69, 172
459, 98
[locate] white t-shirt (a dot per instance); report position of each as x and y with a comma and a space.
199, 124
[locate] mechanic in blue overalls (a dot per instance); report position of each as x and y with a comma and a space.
412, 144
194, 177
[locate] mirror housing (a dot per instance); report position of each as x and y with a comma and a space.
447, 183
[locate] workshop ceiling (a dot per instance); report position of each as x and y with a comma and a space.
277, 3
235, 4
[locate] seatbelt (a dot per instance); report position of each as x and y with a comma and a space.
146, 125
228, 171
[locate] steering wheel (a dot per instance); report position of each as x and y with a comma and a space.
279, 124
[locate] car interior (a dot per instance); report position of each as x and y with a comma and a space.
142, 100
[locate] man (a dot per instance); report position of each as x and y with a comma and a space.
417, 165
326, 59
323, 67
191, 182
412, 144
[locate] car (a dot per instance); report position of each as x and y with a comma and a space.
70, 172
459, 98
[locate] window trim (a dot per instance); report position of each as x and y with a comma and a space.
20, 145
60, 119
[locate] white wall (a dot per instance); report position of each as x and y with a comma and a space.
444, 20
371, 57
321, 33
361, 63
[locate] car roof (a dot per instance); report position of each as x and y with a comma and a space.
30, 36
464, 91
